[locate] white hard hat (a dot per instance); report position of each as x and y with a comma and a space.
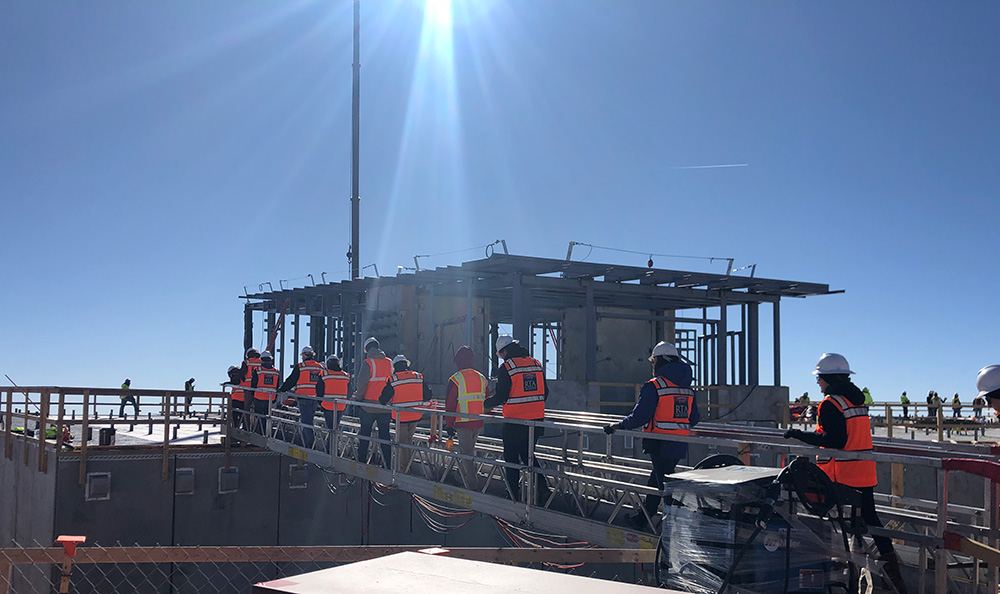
664, 349
333, 358
369, 341
504, 341
832, 363
399, 359
232, 367
988, 379
250, 351
266, 355
307, 350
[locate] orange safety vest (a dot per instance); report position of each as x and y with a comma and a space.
527, 389
267, 377
381, 369
853, 473
471, 393
335, 386
408, 390
252, 364
673, 409
310, 372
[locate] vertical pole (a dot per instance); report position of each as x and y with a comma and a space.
295, 338
720, 343
743, 345
521, 319
591, 338
940, 422
59, 422
468, 313
705, 378
777, 344
281, 345
43, 423
888, 421
355, 146
753, 344
247, 327
494, 335
83, 437
940, 553
167, 405
229, 427
8, 440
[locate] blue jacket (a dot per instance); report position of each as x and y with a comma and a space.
680, 374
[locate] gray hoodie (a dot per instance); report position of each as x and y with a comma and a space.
363, 374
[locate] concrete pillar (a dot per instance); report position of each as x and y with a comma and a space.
753, 344
247, 327
720, 342
777, 344
521, 320
591, 334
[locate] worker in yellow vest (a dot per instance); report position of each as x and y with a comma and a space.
467, 390
405, 388
371, 378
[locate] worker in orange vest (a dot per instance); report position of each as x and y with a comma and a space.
264, 376
405, 388
250, 364
522, 391
467, 390
843, 423
236, 397
302, 381
371, 379
333, 385
666, 406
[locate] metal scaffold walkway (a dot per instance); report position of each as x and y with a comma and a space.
591, 480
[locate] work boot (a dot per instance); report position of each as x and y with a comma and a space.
890, 569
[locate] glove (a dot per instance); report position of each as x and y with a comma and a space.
793, 434
610, 429
451, 433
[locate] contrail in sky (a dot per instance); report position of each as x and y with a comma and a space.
711, 166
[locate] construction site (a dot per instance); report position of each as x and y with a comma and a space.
182, 500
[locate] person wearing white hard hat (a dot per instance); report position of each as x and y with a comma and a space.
988, 384
264, 376
405, 388
302, 381
666, 406
251, 362
842, 423
522, 391
371, 378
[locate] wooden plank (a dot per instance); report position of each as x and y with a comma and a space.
328, 554
83, 438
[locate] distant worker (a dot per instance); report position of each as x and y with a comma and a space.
333, 384
265, 376
868, 396
188, 398
905, 402
937, 402
126, 397
804, 400
467, 389
956, 407
666, 406
236, 397
977, 407
522, 390
251, 363
302, 381
843, 423
370, 381
405, 388
930, 404
988, 384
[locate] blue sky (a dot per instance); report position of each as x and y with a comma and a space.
157, 157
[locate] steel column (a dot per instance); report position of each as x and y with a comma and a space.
591, 338
743, 345
521, 322
777, 344
753, 344
720, 342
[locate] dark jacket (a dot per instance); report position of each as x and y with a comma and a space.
514, 350
831, 419
680, 375
388, 391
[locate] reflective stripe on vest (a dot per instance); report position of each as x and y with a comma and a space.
673, 408
471, 389
310, 372
252, 364
853, 473
408, 390
335, 386
266, 378
381, 369
526, 400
